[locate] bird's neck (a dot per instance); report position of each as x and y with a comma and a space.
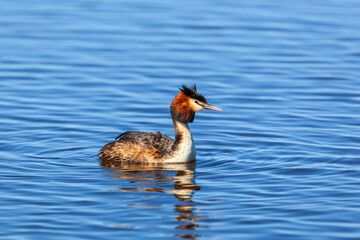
182, 132
183, 145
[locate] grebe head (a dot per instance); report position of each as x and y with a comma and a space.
187, 102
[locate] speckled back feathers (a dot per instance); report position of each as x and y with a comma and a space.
138, 147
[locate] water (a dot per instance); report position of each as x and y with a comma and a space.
281, 161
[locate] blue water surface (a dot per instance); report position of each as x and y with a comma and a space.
281, 161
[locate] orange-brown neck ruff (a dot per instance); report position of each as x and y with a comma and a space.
180, 109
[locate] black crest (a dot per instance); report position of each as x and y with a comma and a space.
191, 92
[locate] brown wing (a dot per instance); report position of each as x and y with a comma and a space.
137, 147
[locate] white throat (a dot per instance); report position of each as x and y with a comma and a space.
185, 148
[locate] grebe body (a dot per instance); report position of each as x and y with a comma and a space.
144, 147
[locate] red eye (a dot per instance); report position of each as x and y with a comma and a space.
196, 102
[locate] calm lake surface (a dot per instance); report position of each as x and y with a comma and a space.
281, 162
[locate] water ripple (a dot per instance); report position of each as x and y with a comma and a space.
283, 157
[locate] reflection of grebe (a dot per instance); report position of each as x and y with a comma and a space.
184, 184
156, 178
155, 147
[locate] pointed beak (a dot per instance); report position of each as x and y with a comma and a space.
211, 107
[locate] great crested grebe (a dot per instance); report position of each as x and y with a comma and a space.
144, 147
